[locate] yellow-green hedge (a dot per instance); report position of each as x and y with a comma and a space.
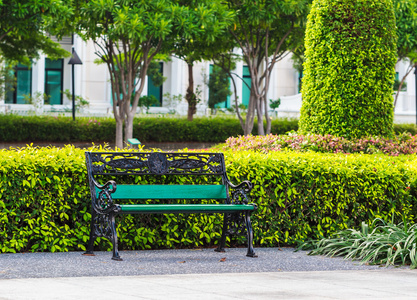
45, 204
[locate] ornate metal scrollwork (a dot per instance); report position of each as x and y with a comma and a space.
138, 163
157, 163
102, 225
236, 224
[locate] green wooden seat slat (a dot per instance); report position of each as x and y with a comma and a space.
170, 192
185, 208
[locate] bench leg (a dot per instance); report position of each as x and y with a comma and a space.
249, 231
116, 255
93, 236
222, 243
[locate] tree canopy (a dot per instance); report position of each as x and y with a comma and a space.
265, 31
23, 25
128, 35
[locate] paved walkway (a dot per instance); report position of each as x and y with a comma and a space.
199, 274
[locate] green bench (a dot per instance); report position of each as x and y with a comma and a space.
106, 171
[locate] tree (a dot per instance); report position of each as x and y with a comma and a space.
350, 55
211, 19
266, 31
22, 28
128, 35
219, 86
406, 20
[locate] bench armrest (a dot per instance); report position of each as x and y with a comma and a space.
240, 191
103, 202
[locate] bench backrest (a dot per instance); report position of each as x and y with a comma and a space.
103, 164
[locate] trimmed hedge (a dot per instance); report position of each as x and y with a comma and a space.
349, 69
149, 129
15, 128
45, 202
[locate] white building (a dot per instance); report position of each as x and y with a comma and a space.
92, 82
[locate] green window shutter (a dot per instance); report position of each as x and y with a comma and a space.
245, 89
54, 80
227, 102
156, 91
23, 89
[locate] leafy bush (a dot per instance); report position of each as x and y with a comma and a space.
381, 243
147, 129
402, 144
45, 202
349, 68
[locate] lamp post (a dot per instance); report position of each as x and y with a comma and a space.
75, 60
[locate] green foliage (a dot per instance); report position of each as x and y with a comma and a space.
148, 101
15, 128
312, 195
265, 30
397, 83
404, 143
22, 28
147, 129
349, 68
406, 21
45, 204
155, 74
274, 103
219, 86
380, 243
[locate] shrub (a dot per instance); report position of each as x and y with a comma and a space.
147, 129
402, 144
349, 68
45, 203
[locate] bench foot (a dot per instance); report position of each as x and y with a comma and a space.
251, 255
219, 250
88, 253
249, 232
117, 258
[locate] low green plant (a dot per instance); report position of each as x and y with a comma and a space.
382, 243
148, 101
404, 143
14, 128
274, 103
45, 201
80, 102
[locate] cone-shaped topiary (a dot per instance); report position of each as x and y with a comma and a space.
349, 68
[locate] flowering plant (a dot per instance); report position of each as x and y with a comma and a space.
404, 143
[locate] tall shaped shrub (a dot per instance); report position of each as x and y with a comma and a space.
349, 68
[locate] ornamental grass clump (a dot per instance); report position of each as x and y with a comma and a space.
404, 143
383, 243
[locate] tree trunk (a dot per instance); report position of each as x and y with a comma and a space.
119, 133
190, 96
259, 113
250, 117
267, 117
129, 127
242, 123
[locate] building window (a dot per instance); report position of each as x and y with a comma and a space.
154, 90
54, 80
218, 87
21, 93
245, 88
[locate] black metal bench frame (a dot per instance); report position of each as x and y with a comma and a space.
236, 209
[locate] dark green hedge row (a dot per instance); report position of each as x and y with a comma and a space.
148, 129
44, 200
